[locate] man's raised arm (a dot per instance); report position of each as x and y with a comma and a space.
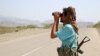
55, 25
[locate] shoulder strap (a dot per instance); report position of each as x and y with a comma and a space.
75, 28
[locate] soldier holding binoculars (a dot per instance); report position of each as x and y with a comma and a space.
68, 33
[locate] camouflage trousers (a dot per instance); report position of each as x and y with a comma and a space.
67, 51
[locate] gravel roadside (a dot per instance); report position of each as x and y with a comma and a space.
98, 30
21, 34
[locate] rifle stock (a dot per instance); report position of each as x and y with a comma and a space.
81, 43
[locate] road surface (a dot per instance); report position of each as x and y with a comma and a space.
42, 45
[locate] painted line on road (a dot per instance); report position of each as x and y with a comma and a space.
32, 51
20, 39
36, 49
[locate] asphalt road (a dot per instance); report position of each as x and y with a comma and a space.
42, 45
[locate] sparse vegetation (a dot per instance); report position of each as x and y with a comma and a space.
18, 28
7, 30
26, 27
15, 29
47, 25
97, 25
31, 26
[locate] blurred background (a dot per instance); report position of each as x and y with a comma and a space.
25, 26
16, 15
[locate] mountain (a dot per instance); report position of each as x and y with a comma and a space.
85, 24
13, 22
81, 24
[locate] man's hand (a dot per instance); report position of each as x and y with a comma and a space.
55, 24
56, 16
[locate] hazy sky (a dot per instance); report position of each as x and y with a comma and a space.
87, 10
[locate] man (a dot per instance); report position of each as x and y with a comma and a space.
68, 33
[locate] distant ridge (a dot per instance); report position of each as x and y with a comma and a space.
13, 22
85, 24
81, 24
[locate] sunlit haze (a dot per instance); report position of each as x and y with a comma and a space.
40, 10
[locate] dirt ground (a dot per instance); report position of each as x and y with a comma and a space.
21, 34
37, 42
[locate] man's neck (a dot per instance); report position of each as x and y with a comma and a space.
65, 24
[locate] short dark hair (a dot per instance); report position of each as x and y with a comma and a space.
70, 10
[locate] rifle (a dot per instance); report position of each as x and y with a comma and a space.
81, 43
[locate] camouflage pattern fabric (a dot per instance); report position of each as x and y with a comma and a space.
67, 51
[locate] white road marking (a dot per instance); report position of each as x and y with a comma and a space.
36, 49
32, 51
